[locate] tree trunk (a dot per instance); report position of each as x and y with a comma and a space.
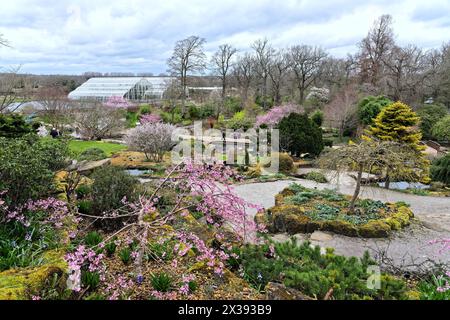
357, 189
388, 182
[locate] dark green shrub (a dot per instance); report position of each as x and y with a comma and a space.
194, 112
83, 191
440, 169
306, 269
15, 126
92, 154
161, 282
328, 142
207, 111
370, 107
112, 185
85, 207
316, 176
429, 115
232, 105
27, 167
317, 117
93, 238
299, 134
145, 109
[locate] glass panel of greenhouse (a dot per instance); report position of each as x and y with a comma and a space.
132, 88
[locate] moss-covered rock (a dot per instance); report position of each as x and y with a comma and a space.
374, 229
340, 227
20, 284
288, 218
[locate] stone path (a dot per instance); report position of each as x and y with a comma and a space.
405, 247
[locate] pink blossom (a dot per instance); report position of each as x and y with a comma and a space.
276, 114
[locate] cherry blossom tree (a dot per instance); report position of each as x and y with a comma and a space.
276, 114
152, 138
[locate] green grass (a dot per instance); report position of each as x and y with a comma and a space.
78, 147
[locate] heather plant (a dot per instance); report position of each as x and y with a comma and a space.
153, 139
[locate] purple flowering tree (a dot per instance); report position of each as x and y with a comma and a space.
276, 114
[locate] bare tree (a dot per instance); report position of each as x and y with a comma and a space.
243, 72
405, 72
222, 63
306, 63
279, 65
341, 112
263, 57
374, 48
95, 121
187, 57
56, 106
13, 90
172, 95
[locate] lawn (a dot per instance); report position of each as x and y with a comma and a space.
77, 146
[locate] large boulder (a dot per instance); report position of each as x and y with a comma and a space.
86, 167
278, 291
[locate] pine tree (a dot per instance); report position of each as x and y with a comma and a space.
399, 123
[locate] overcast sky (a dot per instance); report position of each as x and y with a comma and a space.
71, 37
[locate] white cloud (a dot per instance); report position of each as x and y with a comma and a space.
138, 35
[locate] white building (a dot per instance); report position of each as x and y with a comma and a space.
131, 88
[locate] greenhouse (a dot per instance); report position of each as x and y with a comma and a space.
132, 88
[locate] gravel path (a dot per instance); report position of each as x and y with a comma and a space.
405, 247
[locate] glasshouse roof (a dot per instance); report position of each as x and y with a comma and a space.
133, 88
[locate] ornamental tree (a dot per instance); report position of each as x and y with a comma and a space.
153, 139
398, 123
368, 155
